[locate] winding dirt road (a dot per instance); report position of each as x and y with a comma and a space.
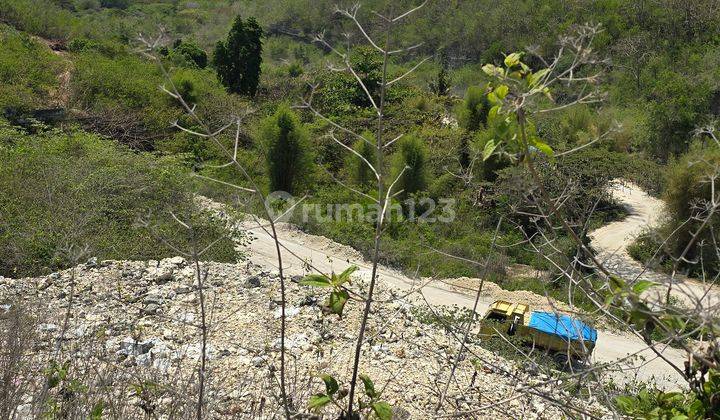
611, 241
623, 351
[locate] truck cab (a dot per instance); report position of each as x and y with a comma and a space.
504, 317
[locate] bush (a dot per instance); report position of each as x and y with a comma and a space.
687, 194
472, 114
287, 151
76, 189
412, 157
238, 59
123, 96
28, 71
653, 403
189, 55
361, 174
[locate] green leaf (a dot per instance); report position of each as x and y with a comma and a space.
616, 283
512, 60
626, 403
543, 147
369, 386
337, 301
318, 401
501, 91
492, 115
492, 70
642, 286
345, 275
535, 78
493, 99
489, 148
316, 280
331, 385
383, 410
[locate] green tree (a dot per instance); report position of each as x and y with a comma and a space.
238, 59
441, 86
287, 150
474, 109
189, 53
688, 195
360, 173
411, 155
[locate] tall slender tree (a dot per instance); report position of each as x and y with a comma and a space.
237, 60
288, 154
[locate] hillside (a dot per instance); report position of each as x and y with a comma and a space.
186, 185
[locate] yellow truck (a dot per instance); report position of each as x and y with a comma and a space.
567, 338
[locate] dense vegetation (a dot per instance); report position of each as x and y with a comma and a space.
118, 153
655, 100
69, 196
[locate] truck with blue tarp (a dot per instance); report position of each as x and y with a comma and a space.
566, 337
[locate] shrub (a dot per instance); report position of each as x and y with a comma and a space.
287, 152
656, 404
687, 195
28, 71
412, 157
123, 96
188, 54
472, 114
76, 189
361, 174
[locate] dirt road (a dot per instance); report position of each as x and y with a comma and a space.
302, 250
611, 241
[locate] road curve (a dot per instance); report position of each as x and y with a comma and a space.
301, 250
611, 242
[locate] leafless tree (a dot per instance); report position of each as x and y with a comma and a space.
384, 183
212, 135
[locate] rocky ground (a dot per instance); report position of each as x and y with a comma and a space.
133, 344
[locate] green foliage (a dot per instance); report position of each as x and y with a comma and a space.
188, 54
442, 86
651, 403
286, 151
339, 295
41, 17
370, 406
360, 172
74, 189
410, 164
28, 70
122, 94
107, 48
340, 94
648, 248
238, 59
687, 195
473, 112
679, 102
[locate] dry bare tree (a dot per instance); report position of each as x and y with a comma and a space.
385, 183
212, 135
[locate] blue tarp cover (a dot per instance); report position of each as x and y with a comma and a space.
562, 326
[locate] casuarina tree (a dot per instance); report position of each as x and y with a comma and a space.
237, 60
365, 150
410, 165
287, 151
